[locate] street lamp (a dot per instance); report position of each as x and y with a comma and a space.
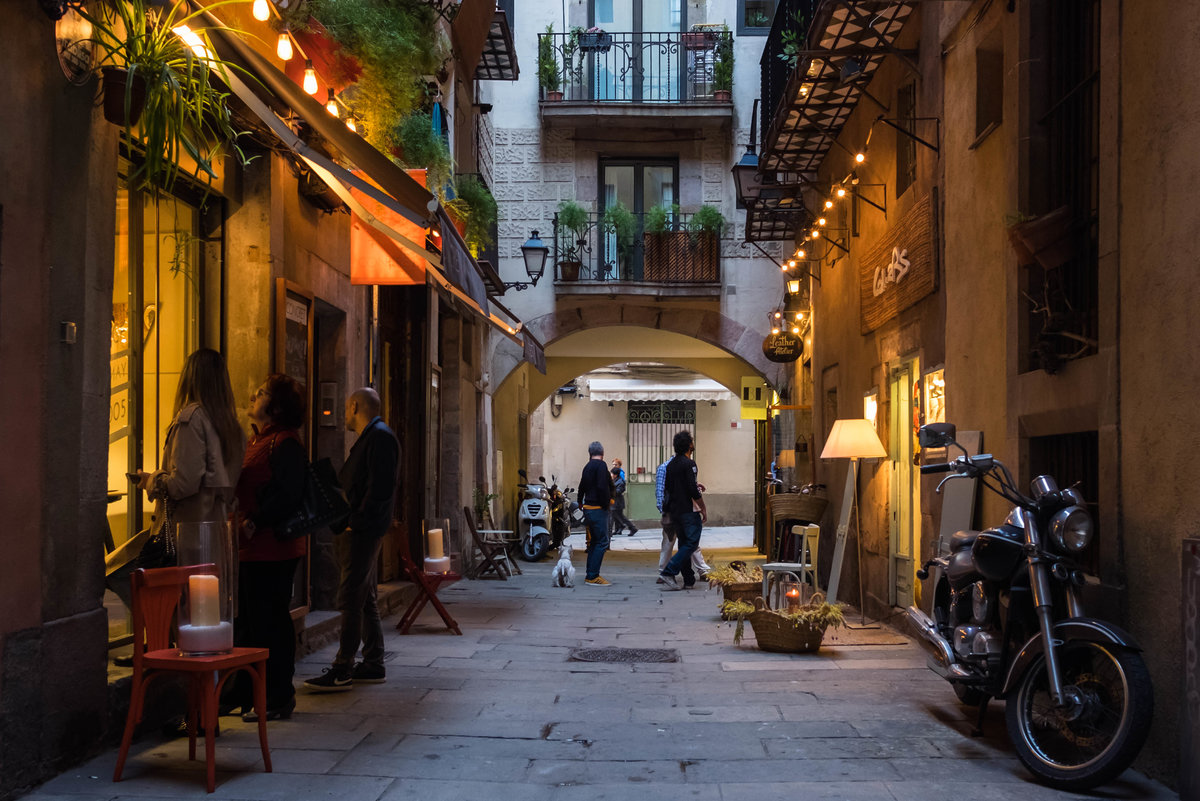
534, 251
747, 180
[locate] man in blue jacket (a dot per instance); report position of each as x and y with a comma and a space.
369, 478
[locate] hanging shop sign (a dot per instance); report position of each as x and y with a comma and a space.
901, 267
783, 347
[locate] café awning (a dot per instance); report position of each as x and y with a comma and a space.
643, 389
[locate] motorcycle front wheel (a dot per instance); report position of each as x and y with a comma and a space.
534, 548
1094, 739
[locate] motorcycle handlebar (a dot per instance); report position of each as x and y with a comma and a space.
936, 468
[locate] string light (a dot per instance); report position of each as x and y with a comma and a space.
193, 41
331, 106
791, 263
795, 329
800, 253
815, 234
775, 329
350, 123
262, 11
310, 77
829, 204
283, 46
860, 157
841, 192
821, 221
778, 315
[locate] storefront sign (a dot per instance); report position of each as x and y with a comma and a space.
901, 267
783, 347
754, 398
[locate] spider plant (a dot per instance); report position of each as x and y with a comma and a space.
186, 111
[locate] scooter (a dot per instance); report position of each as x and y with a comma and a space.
1008, 622
533, 519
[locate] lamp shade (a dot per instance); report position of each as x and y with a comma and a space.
534, 252
853, 439
786, 458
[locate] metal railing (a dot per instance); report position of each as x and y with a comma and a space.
636, 67
789, 33
677, 255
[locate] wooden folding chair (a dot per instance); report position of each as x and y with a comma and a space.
156, 594
493, 554
428, 585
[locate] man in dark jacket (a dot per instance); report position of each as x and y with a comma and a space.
369, 478
595, 496
685, 504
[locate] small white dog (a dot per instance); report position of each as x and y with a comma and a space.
564, 571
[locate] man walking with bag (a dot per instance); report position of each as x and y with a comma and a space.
369, 477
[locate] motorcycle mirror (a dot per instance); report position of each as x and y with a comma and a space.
936, 435
522, 474
542, 479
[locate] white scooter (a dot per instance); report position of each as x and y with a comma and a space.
533, 519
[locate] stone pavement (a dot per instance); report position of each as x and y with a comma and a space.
500, 713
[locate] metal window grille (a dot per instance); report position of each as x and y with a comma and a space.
652, 426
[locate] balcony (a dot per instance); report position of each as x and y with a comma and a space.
676, 262
668, 76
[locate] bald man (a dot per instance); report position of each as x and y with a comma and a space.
370, 478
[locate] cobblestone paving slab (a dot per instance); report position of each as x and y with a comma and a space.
500, 714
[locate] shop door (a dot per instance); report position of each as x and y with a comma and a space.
904, 511
652, 426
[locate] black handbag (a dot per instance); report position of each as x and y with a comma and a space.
159, 550
323, 504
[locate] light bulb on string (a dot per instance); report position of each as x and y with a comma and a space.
351, 124
821, 221
860, 157
331, 106
283, 46
791, 263
795, 329
829, 204
262, 10
775, 330
841, 191
778, 315
800, 253
783, 267
815, 234
310, 77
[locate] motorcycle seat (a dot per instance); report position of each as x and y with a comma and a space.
962, 540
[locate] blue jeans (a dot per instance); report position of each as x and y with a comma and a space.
688, 527
597, 524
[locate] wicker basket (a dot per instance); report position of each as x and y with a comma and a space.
749, 591
776, 633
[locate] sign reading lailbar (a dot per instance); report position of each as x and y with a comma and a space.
783, 347
901, 268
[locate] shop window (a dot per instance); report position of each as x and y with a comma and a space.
161, 246
755, 17
989, 85
906, 146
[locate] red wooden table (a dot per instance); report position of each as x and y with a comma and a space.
428, 585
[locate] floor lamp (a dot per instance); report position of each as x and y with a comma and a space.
850, 439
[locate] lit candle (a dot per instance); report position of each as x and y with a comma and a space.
433, 544
793, 599
204, 599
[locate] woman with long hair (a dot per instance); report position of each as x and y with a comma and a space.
270, 492
202, 456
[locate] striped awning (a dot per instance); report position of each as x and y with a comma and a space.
640, 389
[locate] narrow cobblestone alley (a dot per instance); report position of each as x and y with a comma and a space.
501, 713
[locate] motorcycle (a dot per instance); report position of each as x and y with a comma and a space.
534, 523
1008, 623
565, 514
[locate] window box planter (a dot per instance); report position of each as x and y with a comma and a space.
698, 40
595, 42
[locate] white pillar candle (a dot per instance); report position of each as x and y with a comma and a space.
204, 599
433, 544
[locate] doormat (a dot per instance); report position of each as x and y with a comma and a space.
623, 655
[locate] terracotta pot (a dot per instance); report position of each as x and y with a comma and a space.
722, 95
554, 97
568, 270
1046, 239
116, 83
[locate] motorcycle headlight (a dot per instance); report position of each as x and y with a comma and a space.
1071, 529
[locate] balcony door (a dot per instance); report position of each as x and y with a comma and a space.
640, 185
644, 64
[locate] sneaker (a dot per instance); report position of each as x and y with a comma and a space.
368, 674
598, 581
331, 680
669, 582
278, 713
661, 580
633, 531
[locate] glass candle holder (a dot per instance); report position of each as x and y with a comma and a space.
436, 531
791, 593
206, 606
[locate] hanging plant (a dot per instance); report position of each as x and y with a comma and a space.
184, 112
421, 148
474, 202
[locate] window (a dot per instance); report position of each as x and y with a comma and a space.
989, 85
755, 17
640, 186
906, 146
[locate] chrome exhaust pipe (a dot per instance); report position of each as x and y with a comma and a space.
937, 645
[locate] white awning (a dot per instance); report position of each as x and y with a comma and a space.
642, 389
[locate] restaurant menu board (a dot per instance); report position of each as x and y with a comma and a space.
293, 331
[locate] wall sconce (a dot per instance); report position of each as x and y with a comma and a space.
793, 286
534, 251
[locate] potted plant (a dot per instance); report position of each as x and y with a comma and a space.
573, 63
700, 37
419, 147
162, 92
619, 221
723, 67
572, 220
1045, 239
476, 205
738, 582
549, 77
595, 40
783, 631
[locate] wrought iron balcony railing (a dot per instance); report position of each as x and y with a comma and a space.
637, 67
677, 255
788, 36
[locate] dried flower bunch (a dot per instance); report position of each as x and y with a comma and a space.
734, 573
817, 613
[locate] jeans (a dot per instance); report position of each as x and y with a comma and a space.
358, 554
597, 522
699, 566
687, 527
264, 621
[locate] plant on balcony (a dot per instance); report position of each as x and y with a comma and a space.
595, 40
394, 44
573, 220
619, 222
474, 202
706, 220
723, 67
160, 91
573, 62
549, 77
421, 148
793, 39
661, 218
